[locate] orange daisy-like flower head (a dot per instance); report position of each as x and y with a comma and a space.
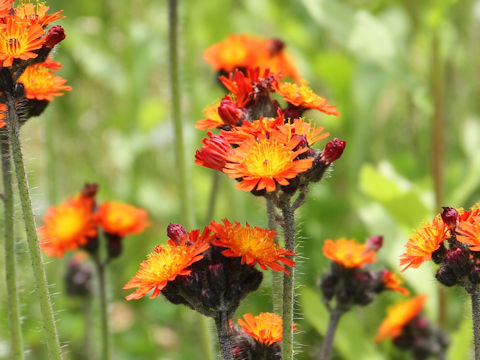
5, 7
18, 40
121, 219
423, 243
267, 162
36, 13
252, 244
168, 262
392, 282
41, 83
348, 253
68, 226
265, 328
468, 229
398, 316
302, 96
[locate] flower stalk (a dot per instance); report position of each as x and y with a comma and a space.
10, 267
475, 295
277, 284
102, 293
221, 322
43, 295
327, 345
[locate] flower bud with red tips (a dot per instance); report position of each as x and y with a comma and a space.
375, 242
176, 233
333, 150
450, 217
230, 113
213, 153
55, 35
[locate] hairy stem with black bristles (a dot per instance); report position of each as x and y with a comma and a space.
221, 321
277, 285
183, 188
16, 340
327, 345
42, 293
288, 280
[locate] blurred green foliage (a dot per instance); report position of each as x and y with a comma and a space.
372, 58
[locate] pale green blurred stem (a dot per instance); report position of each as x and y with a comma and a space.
212, 200
327, 345
102, 293
42, 295
16, 340
475, 294
288, 281
277, 285
183, 188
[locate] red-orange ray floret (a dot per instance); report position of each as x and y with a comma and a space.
348, 253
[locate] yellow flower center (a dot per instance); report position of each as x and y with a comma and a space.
69, 223
38, 79
166, 263
267, 159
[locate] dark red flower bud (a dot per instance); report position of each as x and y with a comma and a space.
446, 276
375, 242
54, 36
449, 216
420, 322
333, 150
275, 46
230, 113
89, 190
176, 232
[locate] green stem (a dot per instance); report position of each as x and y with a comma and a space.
288, 281
328, 341
476, 320
205, 335
277, 285
221, 321
12, 295
212, 200
102, 293
88, 326
42, 294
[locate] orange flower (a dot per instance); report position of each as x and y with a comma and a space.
211, 118
214, 152
121, 219
266, 162
302, 96
36, 13
3, 109
398, 316
423, 243
168, 262
18, 40
468, 229
67, 226
348, 253
252, 244
5, 7
256, 129
240, 86
392, 282
41, 83
265, 328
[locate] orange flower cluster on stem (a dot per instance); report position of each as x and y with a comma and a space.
265, 328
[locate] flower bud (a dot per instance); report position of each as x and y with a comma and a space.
333, 150
230, 113
176, 233
449, 217
446, 276
375, 242
54, 36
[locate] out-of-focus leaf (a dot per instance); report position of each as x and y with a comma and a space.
462, 339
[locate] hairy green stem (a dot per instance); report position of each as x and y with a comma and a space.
42, 294
277, 285
102, 293
187, 213
288, 281
221, 322
476, 320
16, 340
327, 345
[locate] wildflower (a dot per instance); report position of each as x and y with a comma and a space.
252, 244
121, 219
468, 230
211, 118
18, 40
398, 316
303, 97
392, 282
41, 83
5, 7
68, 226
214, 152
348, 253
423, 243
166, 263
36, 13
265, 328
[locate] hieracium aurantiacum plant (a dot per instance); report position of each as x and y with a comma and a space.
27, 85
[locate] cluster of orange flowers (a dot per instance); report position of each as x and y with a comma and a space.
75, 222
24, 47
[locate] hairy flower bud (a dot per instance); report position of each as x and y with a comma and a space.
55, 35
230, 113
375, 242
176, 232
449, 216
333, 150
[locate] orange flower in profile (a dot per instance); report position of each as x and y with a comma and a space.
67, 226
18, 40
423, 243
36, 13
468, 229
3, 109
168, 262
265, 328
121, 219
392, 282
302, 96
211, 118
266, 162
214, 152
348, 253
41, 83
398, 316
5, 7
253, 244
